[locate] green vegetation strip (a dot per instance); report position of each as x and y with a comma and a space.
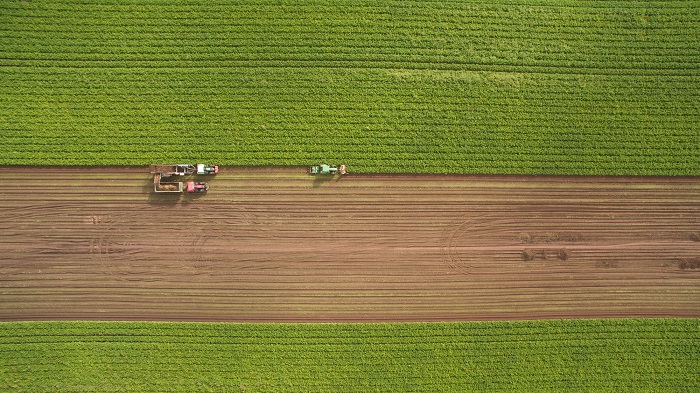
522, 86
592, 355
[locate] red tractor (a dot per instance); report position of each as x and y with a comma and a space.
197, 187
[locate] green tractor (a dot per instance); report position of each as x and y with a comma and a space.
325, 169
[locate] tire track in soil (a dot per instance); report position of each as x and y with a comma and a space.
274, 244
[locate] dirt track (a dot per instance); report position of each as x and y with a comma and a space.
275, 244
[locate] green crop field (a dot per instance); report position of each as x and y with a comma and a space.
474, 86
590, 355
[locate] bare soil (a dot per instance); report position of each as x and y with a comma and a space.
278, 245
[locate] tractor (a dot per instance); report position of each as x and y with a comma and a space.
325, 169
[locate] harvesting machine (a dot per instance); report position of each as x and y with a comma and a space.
185, 169
325, 169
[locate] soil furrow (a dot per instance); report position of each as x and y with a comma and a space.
276, 245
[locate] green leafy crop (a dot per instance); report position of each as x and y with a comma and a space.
575, 355
526, 86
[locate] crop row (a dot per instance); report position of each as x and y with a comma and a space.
657, 354
300, 56
437, 11
366, 13
414, 64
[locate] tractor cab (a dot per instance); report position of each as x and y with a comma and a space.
197, 186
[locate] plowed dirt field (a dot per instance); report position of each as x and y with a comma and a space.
275, 244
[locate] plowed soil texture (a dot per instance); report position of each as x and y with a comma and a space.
279, 245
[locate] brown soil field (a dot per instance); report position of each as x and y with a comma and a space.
278, 245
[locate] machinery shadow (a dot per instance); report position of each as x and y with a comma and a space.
188, 198
320, 180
